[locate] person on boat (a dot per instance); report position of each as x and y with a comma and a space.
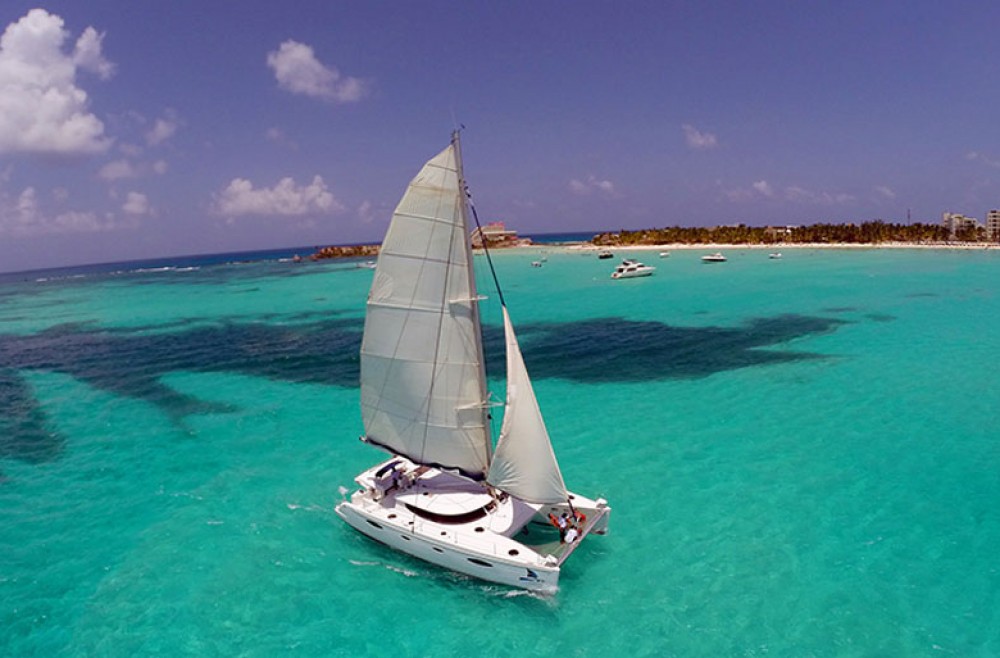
571, 535
561, 522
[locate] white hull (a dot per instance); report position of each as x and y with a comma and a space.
632, 275
442, 519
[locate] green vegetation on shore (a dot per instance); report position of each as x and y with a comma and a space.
349, 251
865, 233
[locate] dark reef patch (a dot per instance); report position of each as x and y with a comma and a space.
132, 361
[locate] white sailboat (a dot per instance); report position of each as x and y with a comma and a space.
447, 495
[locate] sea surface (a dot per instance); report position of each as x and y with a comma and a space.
803, 457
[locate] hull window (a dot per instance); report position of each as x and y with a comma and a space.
482, 563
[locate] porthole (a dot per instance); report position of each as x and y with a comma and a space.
392, 516
405, 537
512, 551
480, 529
372, 523
437, 549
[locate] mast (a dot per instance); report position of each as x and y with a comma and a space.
473, 291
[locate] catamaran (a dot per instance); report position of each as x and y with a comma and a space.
447, 494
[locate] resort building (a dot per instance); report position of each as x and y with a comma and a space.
957, 223
778, 232
495, 234
993, 226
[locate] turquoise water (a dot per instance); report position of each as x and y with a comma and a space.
803, 457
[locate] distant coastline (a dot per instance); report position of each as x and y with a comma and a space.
867, 235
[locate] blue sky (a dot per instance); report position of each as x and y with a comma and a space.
140, 129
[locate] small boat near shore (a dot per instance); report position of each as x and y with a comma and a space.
717, 257
664, 254
630, 269
604, 253
775, 256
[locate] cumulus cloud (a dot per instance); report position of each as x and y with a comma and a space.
162, 130
88, 54
297, 70
591, 185
763, 187
698, 140
285, 199
42, 110
136, 204
116, 170
24, 216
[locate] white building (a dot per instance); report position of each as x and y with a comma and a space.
993, 226
955, 222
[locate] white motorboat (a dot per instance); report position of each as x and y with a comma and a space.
717, 257
630, 269
604, 253
775, 256
664, 254
447, 494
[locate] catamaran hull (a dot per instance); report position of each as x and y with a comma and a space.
479, 565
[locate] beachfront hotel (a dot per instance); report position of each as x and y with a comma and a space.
993, 226
957, 223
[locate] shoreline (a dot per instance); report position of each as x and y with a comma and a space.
716, 246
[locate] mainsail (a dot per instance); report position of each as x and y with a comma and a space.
423, 383
524, 464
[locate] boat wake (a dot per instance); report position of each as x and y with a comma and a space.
409, 573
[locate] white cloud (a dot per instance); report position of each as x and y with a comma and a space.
42, 110
983, 158
278, 136
297, 70
802, 195
885, 192
88, 54
24, 217
162, 130
116, 170
592, 184
136, 204
698, 140
793, 193
160, 167
365, 212
286, 198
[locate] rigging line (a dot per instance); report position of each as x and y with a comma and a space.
482, 240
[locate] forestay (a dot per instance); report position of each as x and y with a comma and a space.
423, 387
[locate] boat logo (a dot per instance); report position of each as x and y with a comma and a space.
532, 577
